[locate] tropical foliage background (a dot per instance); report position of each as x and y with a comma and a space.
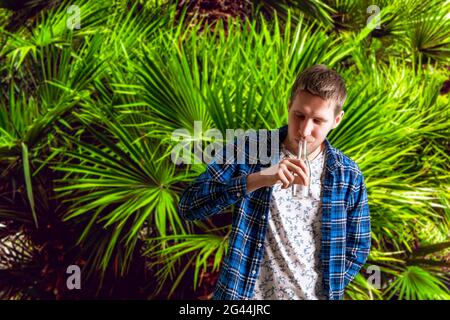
87, 113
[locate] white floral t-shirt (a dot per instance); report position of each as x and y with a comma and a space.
290, 269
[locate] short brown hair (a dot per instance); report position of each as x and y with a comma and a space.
321, 81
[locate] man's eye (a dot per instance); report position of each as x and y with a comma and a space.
300, 116
317, 121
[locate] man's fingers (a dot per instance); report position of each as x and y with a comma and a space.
289, 176
300, 171
300, 163
292, 171
301, 180
295, 162
283, 179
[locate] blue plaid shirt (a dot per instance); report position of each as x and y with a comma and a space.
345, 221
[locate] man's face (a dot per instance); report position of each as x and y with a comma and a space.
310, 118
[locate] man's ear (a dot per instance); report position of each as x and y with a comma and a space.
338, 119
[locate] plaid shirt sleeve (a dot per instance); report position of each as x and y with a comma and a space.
358, 230
220, 186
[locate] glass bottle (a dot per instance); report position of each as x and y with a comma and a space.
300, 191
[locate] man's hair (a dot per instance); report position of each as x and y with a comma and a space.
321, 81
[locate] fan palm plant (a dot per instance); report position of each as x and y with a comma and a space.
385, 130
86, 135
66, 68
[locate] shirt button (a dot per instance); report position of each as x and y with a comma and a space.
238, 194
263, 217
259, 245
253, 272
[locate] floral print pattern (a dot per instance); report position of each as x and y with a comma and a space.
291, 266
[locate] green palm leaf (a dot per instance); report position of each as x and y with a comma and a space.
417, 284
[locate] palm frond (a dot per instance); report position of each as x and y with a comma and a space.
199, 248
417, 284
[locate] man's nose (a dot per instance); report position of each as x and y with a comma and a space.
305, 128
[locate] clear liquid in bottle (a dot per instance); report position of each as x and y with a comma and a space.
301, 191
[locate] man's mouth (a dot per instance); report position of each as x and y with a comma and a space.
308, 140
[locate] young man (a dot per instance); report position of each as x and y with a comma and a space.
282, 247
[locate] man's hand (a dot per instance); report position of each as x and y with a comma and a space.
287, 172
